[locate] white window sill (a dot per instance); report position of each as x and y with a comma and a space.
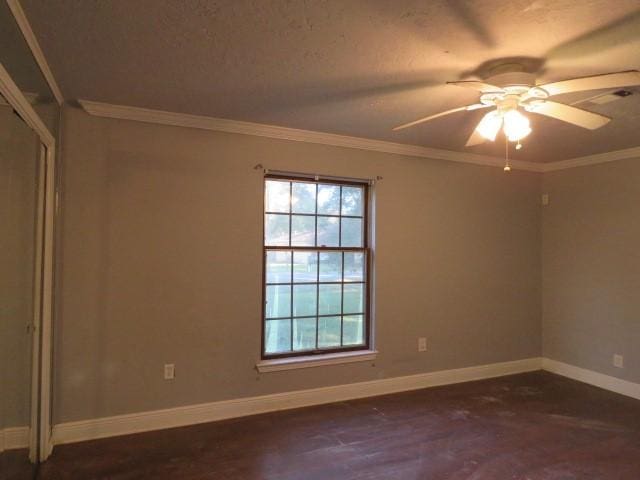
291, 363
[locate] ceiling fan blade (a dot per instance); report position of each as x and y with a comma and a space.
477, 85
475, 139
475, 106
569, 114
596, 82
622, 31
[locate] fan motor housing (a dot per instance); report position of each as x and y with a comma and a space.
513, 80
517, 88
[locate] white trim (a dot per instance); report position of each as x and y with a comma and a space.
14, 437
593, 159
29, 36
271, 131
20, 104
292, 363
46, 315
601, 380
175, 417
32, 98
37, 306
123, 112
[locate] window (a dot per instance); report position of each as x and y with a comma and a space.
316, 267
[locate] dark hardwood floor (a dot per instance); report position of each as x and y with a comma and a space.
15, 465
532, 426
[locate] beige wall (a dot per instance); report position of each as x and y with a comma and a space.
591, 267
161, 263
18, 159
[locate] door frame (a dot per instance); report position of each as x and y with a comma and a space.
43, 313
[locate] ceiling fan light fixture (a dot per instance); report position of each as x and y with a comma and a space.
516, 125
490, 125
510, 89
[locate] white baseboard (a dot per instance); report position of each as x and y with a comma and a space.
176, 417
14, 437
601, 380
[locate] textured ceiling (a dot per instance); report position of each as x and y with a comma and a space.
17, 59
354, 67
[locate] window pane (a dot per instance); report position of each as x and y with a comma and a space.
351, 232
353, 330
352, 201
331, 266
276, 230
353, 298
278, 267
328, 332
304, 333
314, 297
278, 301
304, 198
277, 196
329, 199
353, 267
304, 300
277, 336
330, 301
303, 231
328, 230
305, 267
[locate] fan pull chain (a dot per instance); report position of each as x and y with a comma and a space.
507, 165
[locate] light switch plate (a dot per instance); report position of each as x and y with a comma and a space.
169, 371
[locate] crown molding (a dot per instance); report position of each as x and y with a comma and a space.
592, 159
20, 103
29, 36
284, 133
32, 98
146, 115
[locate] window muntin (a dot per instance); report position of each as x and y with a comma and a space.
315, 267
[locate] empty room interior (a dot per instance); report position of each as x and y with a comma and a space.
320, 239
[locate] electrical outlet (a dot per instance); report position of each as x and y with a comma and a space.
545, 199
618, 361
422, 344
169, 371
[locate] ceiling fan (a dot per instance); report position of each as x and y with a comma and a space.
510, 91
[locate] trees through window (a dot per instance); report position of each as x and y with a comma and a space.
315, 267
